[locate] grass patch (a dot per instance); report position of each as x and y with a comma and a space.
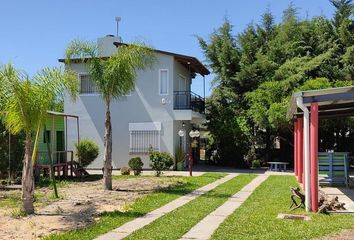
109, 221
175, 224
17, 213
256, 217
10, 199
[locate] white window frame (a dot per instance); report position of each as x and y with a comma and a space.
145, 127
85, 94
167, 84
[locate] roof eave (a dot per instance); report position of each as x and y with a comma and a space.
202, 69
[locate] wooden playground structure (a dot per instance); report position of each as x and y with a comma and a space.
64, 164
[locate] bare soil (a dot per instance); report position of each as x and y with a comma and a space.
343, 235
80, 204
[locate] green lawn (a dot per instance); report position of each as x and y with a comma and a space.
256, 218
142, 206
175, 224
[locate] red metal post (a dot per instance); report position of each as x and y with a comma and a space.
314, 155
295, 149
300, 153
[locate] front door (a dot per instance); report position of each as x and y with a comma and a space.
61, 156
183, 96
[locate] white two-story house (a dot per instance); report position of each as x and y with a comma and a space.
150, 116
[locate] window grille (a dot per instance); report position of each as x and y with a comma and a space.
142, 141
86, 85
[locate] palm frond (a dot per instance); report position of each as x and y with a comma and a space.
25, 101
81, 50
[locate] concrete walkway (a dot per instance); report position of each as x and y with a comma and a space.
205, 228
134, 225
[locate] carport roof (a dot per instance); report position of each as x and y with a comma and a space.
332, 102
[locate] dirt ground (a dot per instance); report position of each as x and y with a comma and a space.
80, 205
343, 235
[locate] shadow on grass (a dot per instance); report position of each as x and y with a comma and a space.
115, 214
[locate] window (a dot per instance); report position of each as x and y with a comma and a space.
86, 85
144, 136
163, 81
46, 136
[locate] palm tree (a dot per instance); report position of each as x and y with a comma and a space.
114, 77
24, 103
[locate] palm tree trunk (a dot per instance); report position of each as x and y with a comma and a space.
107, 161
27, 178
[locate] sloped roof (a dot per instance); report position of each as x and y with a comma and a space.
188, 62
332, 102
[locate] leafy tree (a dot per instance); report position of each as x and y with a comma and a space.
16, 151
263, 66
24, 103
114, 77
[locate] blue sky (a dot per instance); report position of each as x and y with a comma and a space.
34, 34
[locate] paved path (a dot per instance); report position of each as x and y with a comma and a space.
206, 227
128, 228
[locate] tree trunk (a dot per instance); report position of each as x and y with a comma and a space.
268, 155
107, 161
27, 178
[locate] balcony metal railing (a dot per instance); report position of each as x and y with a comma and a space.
183, 100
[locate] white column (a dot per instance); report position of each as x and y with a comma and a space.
306, 142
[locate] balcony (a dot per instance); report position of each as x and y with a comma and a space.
187, 100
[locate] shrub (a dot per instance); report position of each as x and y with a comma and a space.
136, 165
160, 161
125, 171
256, 163
86, 151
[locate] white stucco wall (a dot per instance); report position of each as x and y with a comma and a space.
143, 105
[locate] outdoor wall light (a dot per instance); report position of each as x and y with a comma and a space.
194, 133
181, 133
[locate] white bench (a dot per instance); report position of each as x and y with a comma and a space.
277, 166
